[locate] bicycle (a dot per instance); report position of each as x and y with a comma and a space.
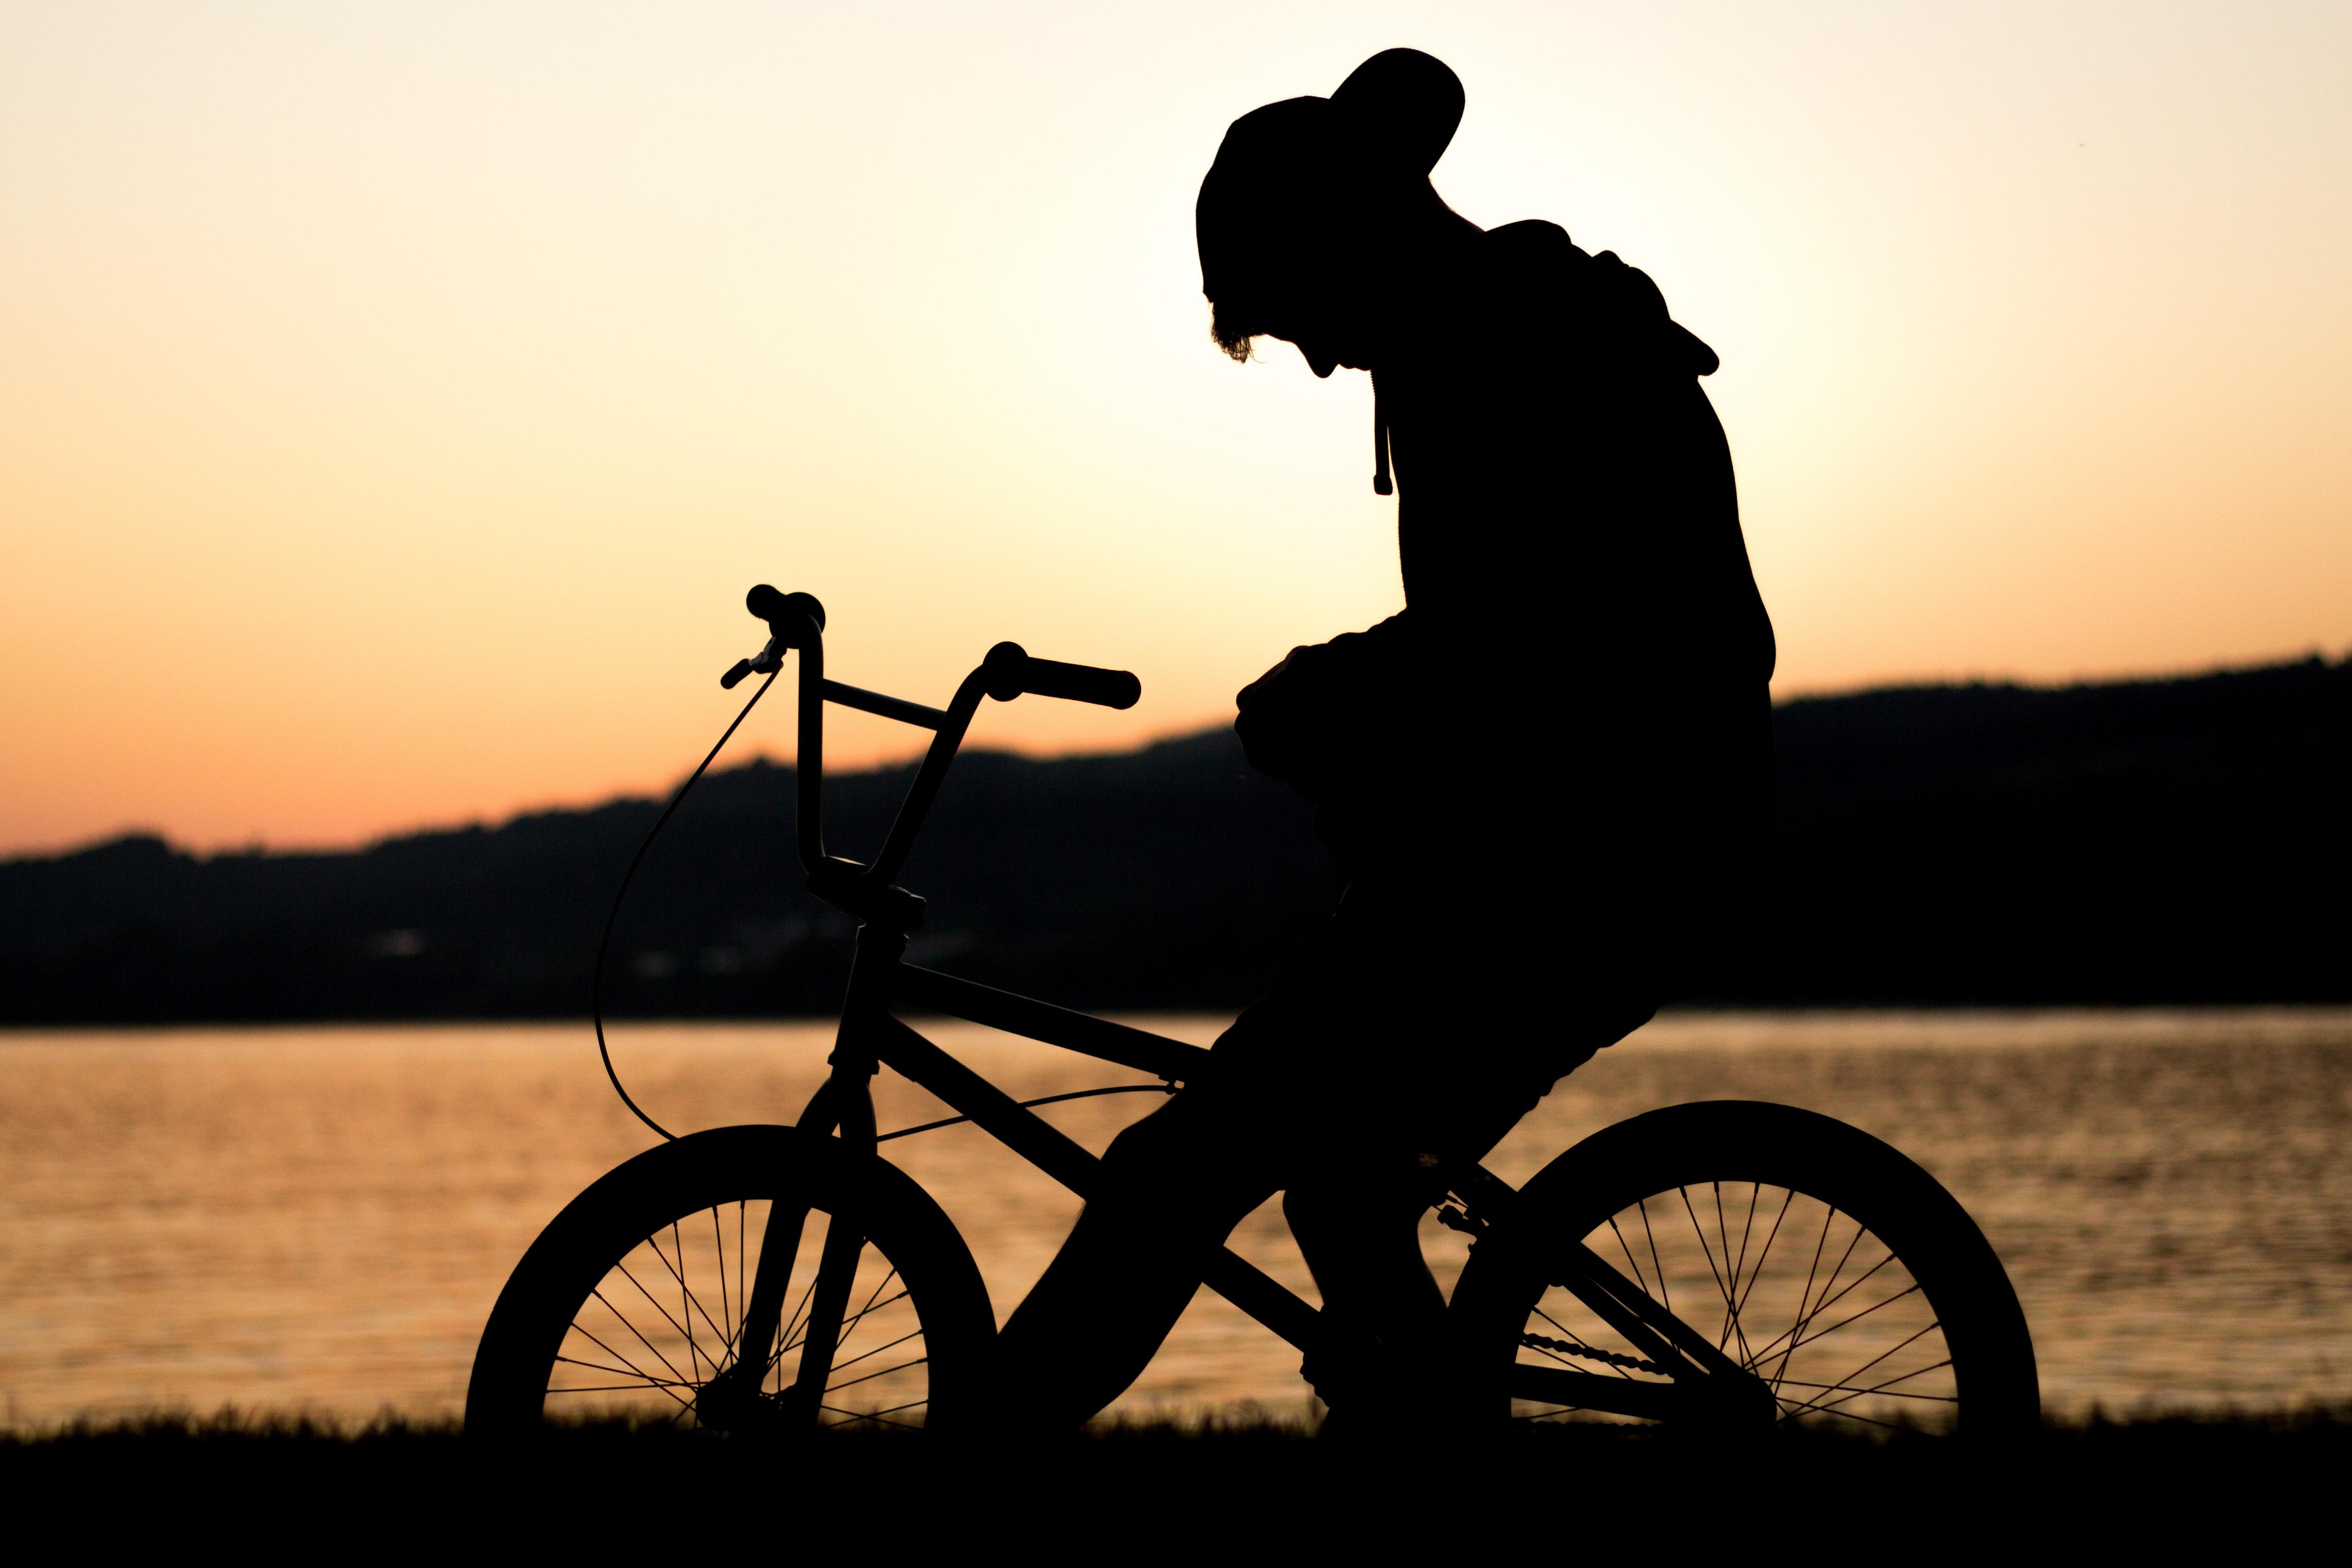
1825, 1279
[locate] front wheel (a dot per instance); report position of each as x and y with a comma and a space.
632, 1303
1812, 1254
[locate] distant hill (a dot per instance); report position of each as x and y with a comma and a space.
2181, 840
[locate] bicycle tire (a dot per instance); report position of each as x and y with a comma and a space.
1761, 1151
727, 1171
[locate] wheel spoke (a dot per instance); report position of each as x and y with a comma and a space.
853, 1383
855, 1416
1738, 1330
1746, 1230
625, 1323
787, 1336
871, 1307
1698, 1232
623, 1270
1795, 1333
694, 1309
686, 1302
1872, 1361
1812, 1271
1857, 1317
1628, 1251
1665, 1296
1765, 1256
1815, 1402
1820, 1307
622, 1371
651, 1382
875, 1415
1865, 1420
1730, 1282
719, 1247
1883, 1388
613, 1388
1888, 1391
877, 1350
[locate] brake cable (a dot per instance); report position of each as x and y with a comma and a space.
604, 942
596, 981
1161, 1088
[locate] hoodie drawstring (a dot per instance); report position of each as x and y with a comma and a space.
1381, 483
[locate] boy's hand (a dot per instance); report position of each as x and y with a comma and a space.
1315, 720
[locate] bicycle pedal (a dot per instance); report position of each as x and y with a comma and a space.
1453, 1216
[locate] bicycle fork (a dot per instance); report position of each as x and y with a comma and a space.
844, 1102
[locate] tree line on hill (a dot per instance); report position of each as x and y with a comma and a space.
2181, 840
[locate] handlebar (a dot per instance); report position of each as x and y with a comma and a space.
796, 622
1010, 670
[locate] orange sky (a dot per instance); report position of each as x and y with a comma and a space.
398, 399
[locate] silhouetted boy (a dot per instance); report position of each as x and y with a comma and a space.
1550, 776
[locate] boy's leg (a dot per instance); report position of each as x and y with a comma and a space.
1171, 1189
1384, 1316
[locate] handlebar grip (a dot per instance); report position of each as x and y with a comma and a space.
1082, 683
1012, 671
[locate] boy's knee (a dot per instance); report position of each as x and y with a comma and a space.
1187, 1157
1307, 1208
1149, 1149
1185, 1147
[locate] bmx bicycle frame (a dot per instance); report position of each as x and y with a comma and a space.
1704, 1381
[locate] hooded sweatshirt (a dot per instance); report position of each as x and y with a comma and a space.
1577, 685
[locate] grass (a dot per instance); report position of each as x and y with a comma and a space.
1149, 1483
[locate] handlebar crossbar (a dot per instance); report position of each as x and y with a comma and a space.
875, 702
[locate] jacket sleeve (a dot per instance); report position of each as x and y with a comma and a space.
1316, 721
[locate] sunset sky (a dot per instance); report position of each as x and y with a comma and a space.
397, 400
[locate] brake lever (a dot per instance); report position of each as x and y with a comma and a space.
767, 661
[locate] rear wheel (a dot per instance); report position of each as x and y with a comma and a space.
632, 1303
1812, 1254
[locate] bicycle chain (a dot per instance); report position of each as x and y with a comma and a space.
1455, 1218
1578, 1348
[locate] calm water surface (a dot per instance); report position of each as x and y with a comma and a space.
321, 1217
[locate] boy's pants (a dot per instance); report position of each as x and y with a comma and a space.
1393, 1033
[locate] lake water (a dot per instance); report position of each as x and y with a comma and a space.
320, 1218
